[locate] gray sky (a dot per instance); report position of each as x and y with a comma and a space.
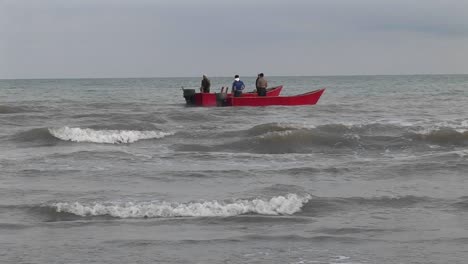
165, 38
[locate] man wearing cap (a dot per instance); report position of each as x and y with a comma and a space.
237, 86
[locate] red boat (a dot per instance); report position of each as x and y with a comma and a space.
309, 98
219, 99
223, 99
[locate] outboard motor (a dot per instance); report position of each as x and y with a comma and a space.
189, 95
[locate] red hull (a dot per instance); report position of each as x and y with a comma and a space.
214, 99
309, 98
211, 99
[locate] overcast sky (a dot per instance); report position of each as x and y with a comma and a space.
167, 38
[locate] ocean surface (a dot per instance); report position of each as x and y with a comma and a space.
121, 171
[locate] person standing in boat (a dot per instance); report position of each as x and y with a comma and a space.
237, 86
205, 84
261, 85
256, 81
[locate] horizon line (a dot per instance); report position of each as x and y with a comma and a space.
171, 77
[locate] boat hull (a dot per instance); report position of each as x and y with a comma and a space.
220, 99
310, 98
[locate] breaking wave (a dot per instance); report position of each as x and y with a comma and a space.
40, 136
77, 134
259, 130
279, 205
443, 136
274, 138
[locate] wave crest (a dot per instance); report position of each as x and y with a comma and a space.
444, 136
262, 129
77, 134
279, 205
6, 109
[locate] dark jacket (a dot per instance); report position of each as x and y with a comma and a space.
205, 85
261, 83
238, 86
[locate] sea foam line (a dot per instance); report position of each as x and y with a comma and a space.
279, 205
77, 134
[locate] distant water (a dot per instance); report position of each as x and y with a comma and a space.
121, 171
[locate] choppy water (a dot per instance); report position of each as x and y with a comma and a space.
121, 171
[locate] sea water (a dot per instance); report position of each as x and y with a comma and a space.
122, 171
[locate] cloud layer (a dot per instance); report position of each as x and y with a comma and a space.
103, 38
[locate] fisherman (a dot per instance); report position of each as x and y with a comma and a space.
261, 85
256, 82
205, 84
237, 86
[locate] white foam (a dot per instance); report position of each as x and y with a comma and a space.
342, 257
77, 134
296, 125
431, 126
279, 205
277, 134
434, 128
